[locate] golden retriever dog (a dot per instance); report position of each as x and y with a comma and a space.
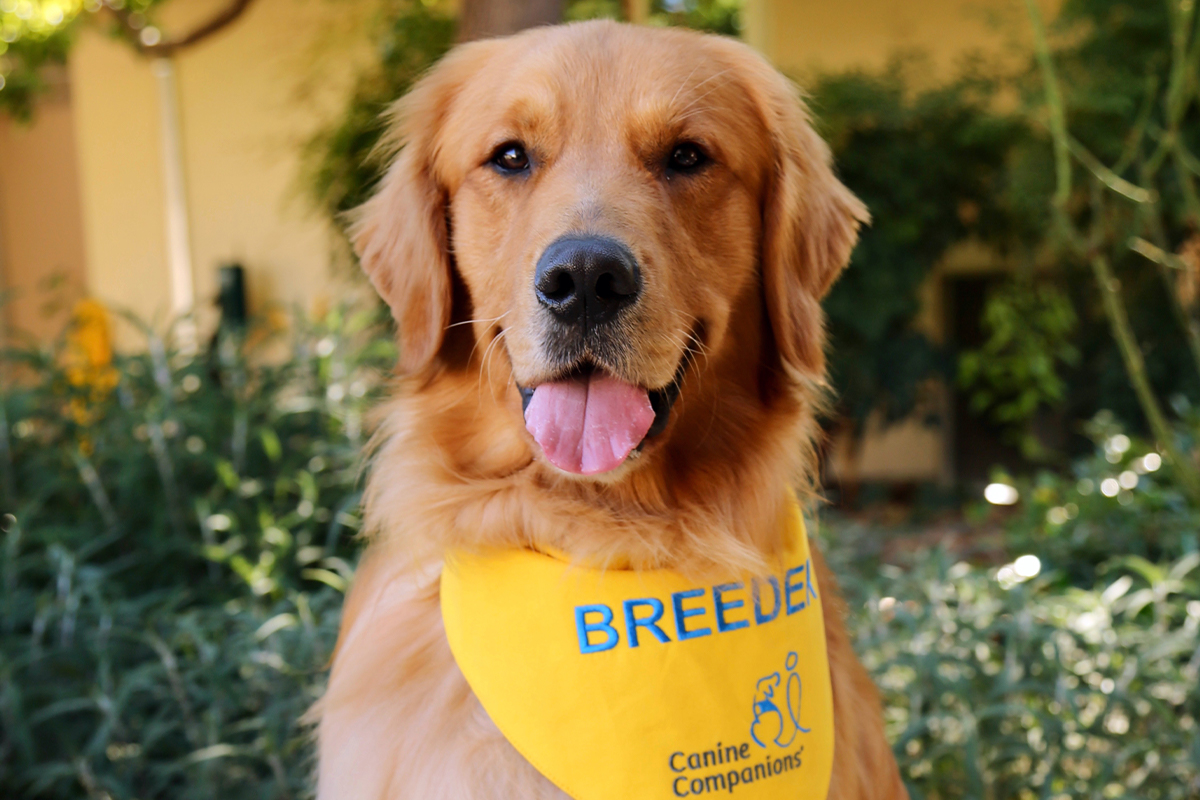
640, 221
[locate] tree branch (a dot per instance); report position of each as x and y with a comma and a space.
1054, 102
1107, 176
479, 19
168, 47
1135, 367
1110, 289
1156, 254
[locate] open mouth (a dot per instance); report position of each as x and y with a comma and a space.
589, 421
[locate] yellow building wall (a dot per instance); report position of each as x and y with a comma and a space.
41, 234
248, 99
802, 37
121, 178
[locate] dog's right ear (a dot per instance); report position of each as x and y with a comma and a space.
400, 234
400, 238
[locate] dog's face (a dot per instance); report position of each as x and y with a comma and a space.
611, 209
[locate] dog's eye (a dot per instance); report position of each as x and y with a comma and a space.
510, 158
687, 157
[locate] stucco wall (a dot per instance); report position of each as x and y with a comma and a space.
41, 234
805, 36
248, 99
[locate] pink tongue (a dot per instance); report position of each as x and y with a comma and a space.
589, 424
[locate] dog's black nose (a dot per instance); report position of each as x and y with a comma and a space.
587, 280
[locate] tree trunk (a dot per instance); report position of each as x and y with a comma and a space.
482, 18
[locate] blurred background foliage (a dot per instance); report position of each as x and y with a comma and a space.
932, 167
342, 163
178, 524
1120, 110
177, 536
1018, 370
972, 161
36, 34
941, 166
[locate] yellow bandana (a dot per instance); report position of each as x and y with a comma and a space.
624, 685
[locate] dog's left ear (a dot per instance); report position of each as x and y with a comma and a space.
810, 223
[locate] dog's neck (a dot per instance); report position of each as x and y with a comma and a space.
454, 469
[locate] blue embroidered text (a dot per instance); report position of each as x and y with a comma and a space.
693, 613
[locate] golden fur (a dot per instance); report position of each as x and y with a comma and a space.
736, 259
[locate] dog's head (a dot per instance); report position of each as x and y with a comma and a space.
618, 217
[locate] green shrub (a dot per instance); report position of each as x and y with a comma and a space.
1037, 690
1071, 672
932, 168
175, 547
343, 163
1120, 501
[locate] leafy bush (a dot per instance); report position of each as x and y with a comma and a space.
343, 163
1120, 501
1071, 671
941, 166
1016, 370
1036, 689
932, 168
1129, 124
175, 545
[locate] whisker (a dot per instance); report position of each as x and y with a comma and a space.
712, 77
474, 347
484, 358
487, 361
706, 94
701, 349
684, 83
472, 321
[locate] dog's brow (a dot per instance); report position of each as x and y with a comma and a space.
529, 111
712, 77
682, 84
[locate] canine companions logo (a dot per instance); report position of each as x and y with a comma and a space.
770, 724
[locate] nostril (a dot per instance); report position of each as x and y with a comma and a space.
605, 290
611, 288
557, 286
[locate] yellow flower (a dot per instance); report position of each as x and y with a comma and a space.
87, 358
89, 351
